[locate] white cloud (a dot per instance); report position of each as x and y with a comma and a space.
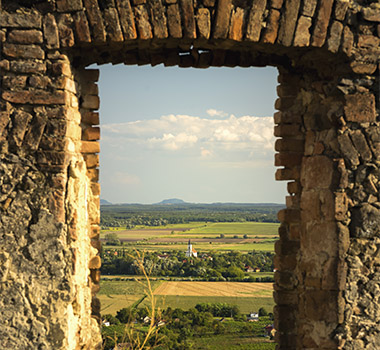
233, 138
174, 142
125, 178
215, 113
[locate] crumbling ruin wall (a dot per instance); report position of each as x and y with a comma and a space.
327, 283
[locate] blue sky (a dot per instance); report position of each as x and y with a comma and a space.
200, 135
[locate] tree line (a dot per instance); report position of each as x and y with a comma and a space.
213, 266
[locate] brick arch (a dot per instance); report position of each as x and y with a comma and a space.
327, 52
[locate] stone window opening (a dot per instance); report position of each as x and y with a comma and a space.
327, 53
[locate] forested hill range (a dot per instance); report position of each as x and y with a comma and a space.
113, 215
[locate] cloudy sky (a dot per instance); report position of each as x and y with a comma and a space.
199, 135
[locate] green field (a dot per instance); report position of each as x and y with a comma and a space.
236, 228
205, 236
246, 305
115, 295
232, 342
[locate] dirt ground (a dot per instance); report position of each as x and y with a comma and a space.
233, 289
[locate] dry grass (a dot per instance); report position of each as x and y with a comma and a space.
228, 289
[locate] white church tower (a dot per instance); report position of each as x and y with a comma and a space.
191, 251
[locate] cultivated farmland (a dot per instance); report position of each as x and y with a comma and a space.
227, 289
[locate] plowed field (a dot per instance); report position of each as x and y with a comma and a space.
228, 289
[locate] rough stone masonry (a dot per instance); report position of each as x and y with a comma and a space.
327, 286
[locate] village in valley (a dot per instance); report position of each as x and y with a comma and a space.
209, 280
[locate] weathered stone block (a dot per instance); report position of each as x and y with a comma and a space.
255, 20
308, 8
92, 160
91, 118
203, 23
69, 5
142, 21
237, 24
127, 20
35, 97
158, 17
96, 21
113, 29
334, 40
91, 134
188, 20
365, 221
323, 19
50, 29
288, 22
95, 263
90, 102
287, 159
360, 108
271, 30
361, 145
31, 36
317, 172
174, 21
23, 51
302, 35
20, 121
21, 20
90, 147
82, 30
348, 150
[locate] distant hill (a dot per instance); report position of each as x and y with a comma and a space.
172, 201
104, 202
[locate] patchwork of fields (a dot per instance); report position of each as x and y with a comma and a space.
205, 236
249, 297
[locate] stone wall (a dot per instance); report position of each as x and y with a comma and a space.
327, 284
